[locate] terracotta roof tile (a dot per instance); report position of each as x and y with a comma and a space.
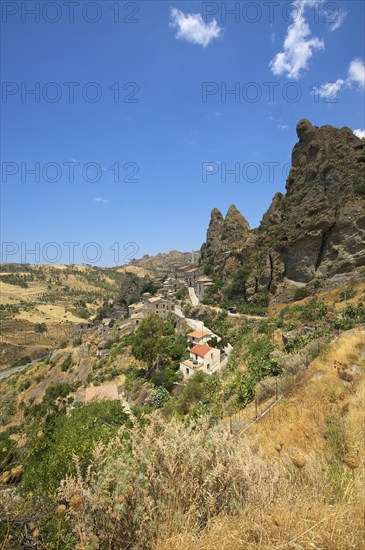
201, 350
199, 333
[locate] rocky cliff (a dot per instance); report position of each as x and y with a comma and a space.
317, 229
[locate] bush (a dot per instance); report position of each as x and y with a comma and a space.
40, 328
260, 362
160, 476
313, 311
301, 293
133, 373
66, 437
348, 294
158, 397
21, 361
192, 393
66, 364
359, 189
166, 377
294, 345
25, 384
182, 293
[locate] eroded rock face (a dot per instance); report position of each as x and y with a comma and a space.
323, 210
212, 248
316, 229
235, 229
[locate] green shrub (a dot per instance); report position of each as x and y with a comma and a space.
65, 437
359, 189
244, 388
158, 397
66, 364
40, 328
25, 384
166, 377
294, 345
348, 294
301, 293
313, 311
259, 359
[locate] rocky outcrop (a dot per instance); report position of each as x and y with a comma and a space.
235, 229
212, 248
316, 229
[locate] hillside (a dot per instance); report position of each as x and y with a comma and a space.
304, 465
164, 262
108, 440
304, 364
41, 304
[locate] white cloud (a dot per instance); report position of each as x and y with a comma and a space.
360, 133
192, 28
357, 72
340, 16
101, 200
298, 46
331, 89
356, 76
283, 126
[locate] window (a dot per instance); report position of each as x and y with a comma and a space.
208, 366
187, 372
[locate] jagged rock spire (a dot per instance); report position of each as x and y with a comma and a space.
213, 244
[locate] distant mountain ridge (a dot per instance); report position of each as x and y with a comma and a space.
317, 229
165, 261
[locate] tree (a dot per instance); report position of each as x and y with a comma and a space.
237, 288
150, 287
149, 340
166, 377
131, 289
157, 338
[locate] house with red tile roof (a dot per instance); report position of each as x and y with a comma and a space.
199, 336
202, 358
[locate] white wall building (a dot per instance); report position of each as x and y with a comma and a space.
199, 336
202, 358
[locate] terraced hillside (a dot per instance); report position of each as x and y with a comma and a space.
41, 304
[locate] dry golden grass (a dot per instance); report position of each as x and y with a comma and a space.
328, 296
299, 522
48, 313
303, 513
280, 485
140, 271
12, 294
301, 417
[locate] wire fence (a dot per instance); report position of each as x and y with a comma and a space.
270, 391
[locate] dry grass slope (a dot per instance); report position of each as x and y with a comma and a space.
294, 481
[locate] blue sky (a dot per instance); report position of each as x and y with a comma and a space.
172, 131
